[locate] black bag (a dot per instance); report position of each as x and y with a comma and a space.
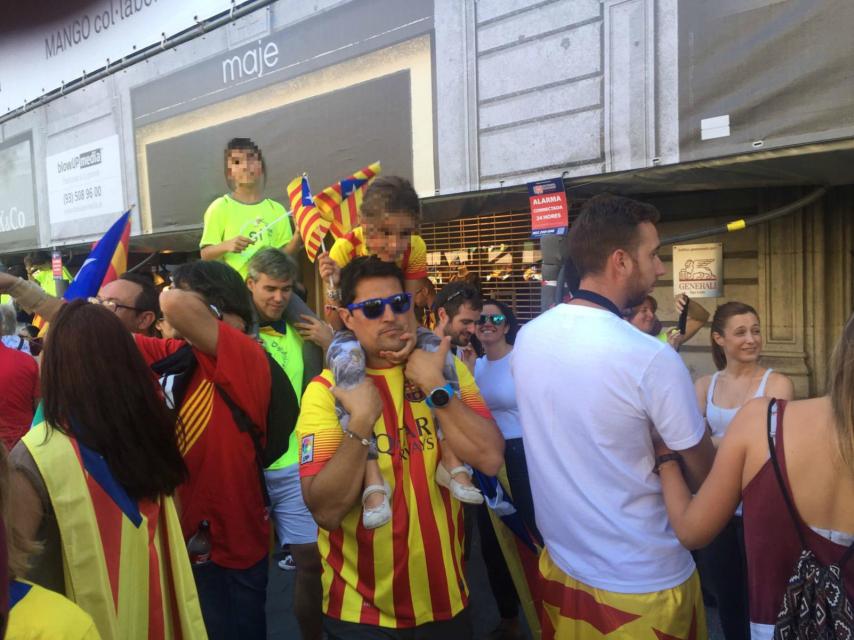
815, 605
175, 372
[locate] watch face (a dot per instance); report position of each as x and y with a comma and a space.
440, 397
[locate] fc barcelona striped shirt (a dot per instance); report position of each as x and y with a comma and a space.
408, 572
352, 245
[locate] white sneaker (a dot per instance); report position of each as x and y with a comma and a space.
287, 563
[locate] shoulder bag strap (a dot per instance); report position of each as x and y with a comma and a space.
778, 472
246, 425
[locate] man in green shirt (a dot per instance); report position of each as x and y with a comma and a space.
241, 222
271, 275
41, 272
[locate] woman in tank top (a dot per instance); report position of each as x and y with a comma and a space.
816, 459
736, 349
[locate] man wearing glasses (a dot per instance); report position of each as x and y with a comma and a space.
406, 575
134, 299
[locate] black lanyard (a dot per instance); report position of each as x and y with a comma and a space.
595, 298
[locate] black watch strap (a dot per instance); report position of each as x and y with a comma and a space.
667, 457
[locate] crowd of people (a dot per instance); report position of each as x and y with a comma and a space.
165, 436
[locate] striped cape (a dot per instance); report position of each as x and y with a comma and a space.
125, 562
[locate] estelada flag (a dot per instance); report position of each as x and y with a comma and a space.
107, 260
342, 201
313, 224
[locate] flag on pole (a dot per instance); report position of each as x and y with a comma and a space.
341, 201
313, 224
107, 260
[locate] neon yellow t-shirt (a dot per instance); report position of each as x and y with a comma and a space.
44, 278
287, 351
5, 299
266, 222
39, 613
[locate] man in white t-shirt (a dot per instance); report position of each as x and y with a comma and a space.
590, 388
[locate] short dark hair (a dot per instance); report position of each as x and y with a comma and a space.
242, 144
390, 194
509, 318
606, 223
453, 295
148, 298
218, 284
366, 267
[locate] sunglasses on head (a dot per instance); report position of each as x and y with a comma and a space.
497, 319
375, 307
468, 294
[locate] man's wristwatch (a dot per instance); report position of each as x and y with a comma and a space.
439, 397
667, 457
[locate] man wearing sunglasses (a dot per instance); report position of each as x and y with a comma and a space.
407, 574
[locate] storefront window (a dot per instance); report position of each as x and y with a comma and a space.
495, 250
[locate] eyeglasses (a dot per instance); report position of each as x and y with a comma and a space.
114, 306
497, 319
375, 307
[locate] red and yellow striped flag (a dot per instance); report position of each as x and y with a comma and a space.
341, 201
313, 224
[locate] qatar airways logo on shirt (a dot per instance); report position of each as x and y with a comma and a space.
409, 438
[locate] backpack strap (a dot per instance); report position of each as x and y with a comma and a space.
772, 446
246, 425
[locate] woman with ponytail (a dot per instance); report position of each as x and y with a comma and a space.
736, 349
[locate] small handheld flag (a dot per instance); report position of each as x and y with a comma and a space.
313, 224
341, 201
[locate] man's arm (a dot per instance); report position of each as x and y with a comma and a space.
474, 438
192, 318
30, 296
337, 487
697, 462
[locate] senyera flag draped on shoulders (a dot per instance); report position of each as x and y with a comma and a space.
341, 201
313, 224
107, 260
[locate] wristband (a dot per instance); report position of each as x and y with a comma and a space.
364, 441
667, 457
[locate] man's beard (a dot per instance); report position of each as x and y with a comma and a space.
636, 294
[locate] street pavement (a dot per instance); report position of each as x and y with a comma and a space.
281, 624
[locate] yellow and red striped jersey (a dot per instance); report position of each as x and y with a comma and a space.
408, 572
352, 245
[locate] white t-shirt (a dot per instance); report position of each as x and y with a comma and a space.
495, 382
589, 385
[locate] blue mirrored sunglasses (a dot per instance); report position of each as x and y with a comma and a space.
375, 307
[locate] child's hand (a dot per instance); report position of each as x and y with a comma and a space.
425, 368
362, 402
401, 355
329, 269
237, 244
